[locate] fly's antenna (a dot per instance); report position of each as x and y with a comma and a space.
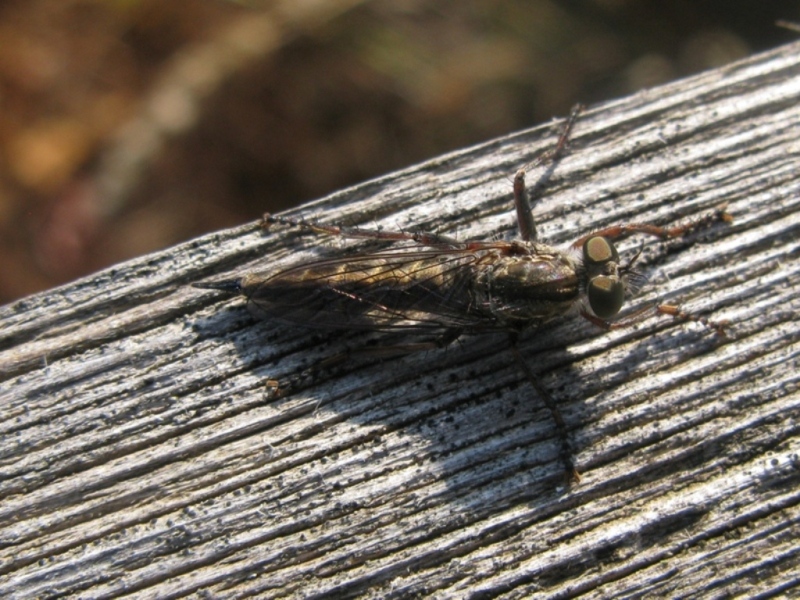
628, 267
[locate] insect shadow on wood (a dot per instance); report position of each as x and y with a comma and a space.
440, 288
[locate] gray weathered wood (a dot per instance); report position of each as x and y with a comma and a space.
143, 454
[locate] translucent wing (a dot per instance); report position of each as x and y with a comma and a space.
409, 289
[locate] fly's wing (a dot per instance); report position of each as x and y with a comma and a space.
411, 289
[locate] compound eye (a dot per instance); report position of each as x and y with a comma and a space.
598, 250
606, 295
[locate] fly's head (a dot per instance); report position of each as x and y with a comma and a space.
605, 277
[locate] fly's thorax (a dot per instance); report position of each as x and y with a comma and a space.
533, 285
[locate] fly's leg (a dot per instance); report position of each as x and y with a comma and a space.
617, 232
676, 312
573, 476
432, 240
525, 220
662, 309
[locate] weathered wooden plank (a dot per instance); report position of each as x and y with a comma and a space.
143, 454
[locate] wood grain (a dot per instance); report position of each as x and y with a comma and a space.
143, 454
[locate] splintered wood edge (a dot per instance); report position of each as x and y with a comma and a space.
144, 450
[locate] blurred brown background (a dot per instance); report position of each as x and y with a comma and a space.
127, 126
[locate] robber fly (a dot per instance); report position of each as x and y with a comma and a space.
440, 286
